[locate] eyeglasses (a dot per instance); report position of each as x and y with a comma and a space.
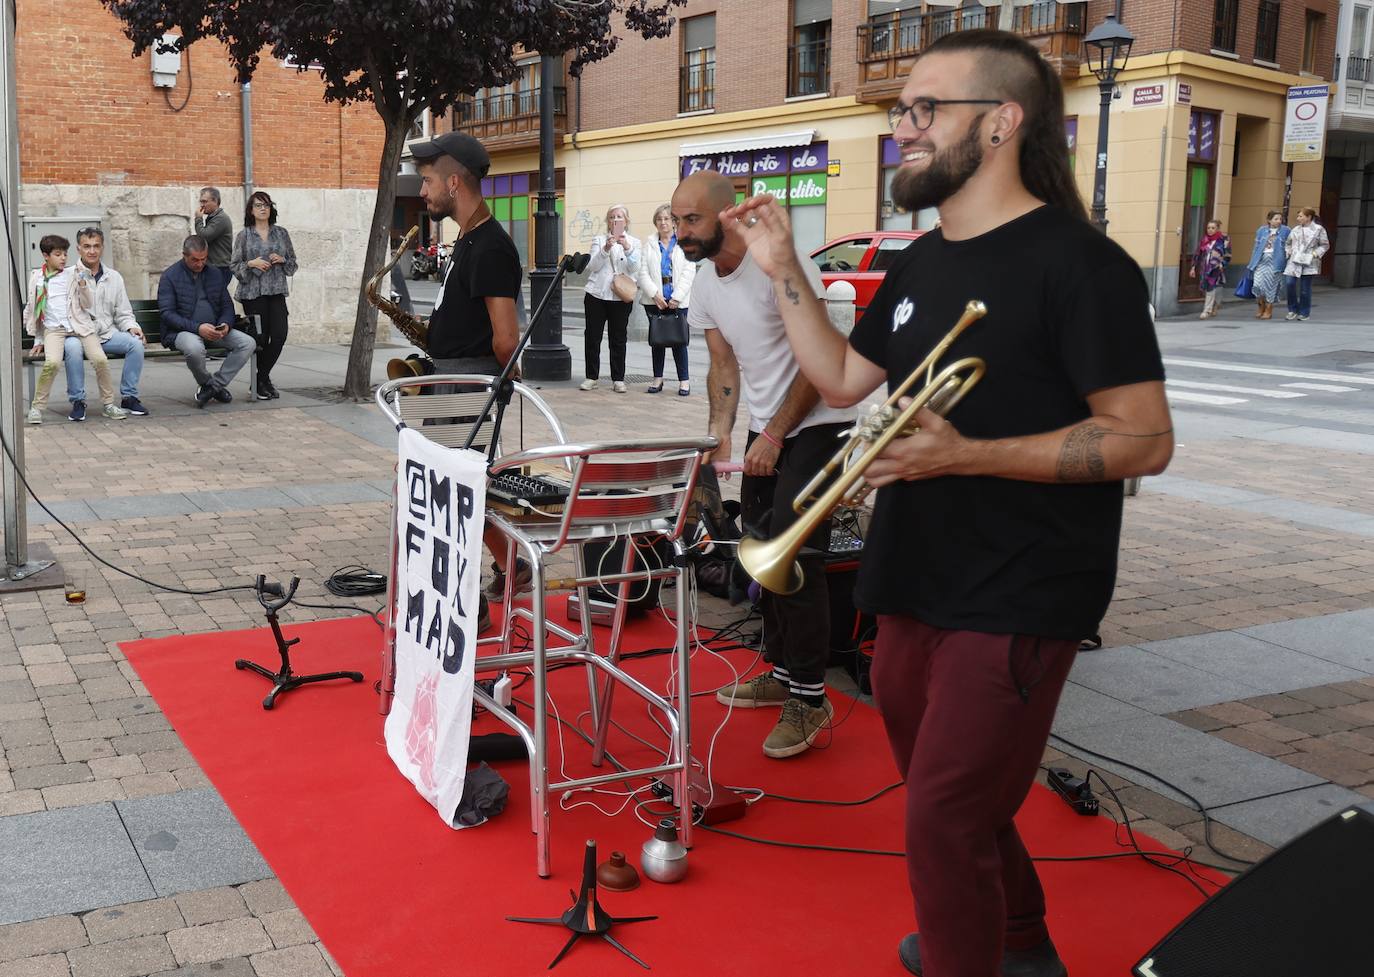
922, 111
262, 203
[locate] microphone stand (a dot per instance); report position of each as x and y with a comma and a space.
501, 386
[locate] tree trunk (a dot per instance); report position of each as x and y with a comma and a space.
358, 378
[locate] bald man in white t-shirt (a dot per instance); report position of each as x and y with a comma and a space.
791, 434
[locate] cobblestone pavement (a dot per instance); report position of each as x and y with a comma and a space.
298, 486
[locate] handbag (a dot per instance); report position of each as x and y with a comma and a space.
668, 327
1245, 289
624, 287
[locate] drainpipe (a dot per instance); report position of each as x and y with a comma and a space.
246, 97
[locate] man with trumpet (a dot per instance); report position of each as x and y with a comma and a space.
994, 538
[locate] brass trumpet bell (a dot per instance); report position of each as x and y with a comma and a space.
773, 562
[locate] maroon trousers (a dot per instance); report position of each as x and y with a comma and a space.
968, 715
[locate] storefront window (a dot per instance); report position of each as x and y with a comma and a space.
795, 175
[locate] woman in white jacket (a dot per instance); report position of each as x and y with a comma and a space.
665, 284
1306, 244
614, 254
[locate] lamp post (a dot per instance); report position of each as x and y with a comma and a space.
546, 358
1109, 45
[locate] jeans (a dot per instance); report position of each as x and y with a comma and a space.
967, 716
601, 314
1300, 293
796, 628
119, 344
679, 360
239, 344
271, 310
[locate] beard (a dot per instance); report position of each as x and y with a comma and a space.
441, 206
944, 174
696, 249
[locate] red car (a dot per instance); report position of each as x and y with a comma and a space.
862, 260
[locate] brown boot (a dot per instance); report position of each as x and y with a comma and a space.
1268, 310
1259, 308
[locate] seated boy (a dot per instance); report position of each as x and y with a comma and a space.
58, 306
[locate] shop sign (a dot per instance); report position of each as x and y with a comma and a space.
761, 162
695, 164
776, 185
808, 189
770, 161
1185, 93
1304, 123
1148, 95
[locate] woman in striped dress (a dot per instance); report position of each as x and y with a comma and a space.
1267, 259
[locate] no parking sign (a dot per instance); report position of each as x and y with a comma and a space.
1304, 123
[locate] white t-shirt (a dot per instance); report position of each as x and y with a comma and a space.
55, 313
743, 306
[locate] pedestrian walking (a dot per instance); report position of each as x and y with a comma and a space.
1307, 242
665, 284
262, 261
1267, 259
612, 284
1210, 259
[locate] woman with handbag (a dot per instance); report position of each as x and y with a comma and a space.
612, 284
665, 282
1306, 244
262, 260
1267, 259
1210, 259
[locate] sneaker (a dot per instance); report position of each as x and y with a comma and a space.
271, 388
264, 391
619, 387
221, 394
1302, 318
1291, 316
134, 406
761, 690
35, 416
588, 384
1040, 961
78, 411
203, 395
496, 589
112, 413
797, 728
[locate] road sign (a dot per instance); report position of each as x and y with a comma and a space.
1304, 123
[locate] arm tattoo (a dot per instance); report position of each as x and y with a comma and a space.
1081, 458
727, 390
792, 295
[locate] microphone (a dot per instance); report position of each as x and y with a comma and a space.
576, 262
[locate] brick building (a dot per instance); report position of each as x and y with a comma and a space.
790, 96
98, 139
1348, 175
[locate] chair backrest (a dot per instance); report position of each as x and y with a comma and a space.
449, 406
622, 487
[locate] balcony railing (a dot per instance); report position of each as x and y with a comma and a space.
697, 86
905, 33
808, 68
506, 107
1267, 32
1356, 69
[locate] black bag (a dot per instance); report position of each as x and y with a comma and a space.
667, 327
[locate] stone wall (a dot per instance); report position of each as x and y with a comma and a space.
145, 226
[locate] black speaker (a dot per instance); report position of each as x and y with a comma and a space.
601, 559
1304, 911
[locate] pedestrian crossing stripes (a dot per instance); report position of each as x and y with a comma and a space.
1296, 385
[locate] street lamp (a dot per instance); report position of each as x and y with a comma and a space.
1109, 45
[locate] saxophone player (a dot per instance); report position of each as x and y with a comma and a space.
473, 328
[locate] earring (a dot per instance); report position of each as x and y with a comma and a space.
996, 140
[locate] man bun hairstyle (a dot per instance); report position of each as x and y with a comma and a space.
1012, 69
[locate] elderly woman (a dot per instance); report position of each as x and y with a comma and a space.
1267, 259
610, 292
1306, 244
1210, 259
665, 284
262, 260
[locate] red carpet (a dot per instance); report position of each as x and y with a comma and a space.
392, 893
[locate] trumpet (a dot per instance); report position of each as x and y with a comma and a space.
773, 562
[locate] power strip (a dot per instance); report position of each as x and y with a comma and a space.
1076, 792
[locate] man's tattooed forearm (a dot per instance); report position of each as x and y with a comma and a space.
1081, 458
792, 294
727, 390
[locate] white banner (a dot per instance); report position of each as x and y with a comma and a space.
440, 511
1304, 123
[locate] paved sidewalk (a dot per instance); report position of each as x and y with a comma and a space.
1237, 660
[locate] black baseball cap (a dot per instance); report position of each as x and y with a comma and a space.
459, 145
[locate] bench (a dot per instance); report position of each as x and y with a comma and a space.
149, 319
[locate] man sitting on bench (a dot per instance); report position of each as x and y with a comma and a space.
193, 298
115, 327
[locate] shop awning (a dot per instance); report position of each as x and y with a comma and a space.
773, 140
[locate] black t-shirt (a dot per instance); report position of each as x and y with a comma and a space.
1068, 315
484, 263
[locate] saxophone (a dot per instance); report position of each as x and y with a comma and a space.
412, 327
